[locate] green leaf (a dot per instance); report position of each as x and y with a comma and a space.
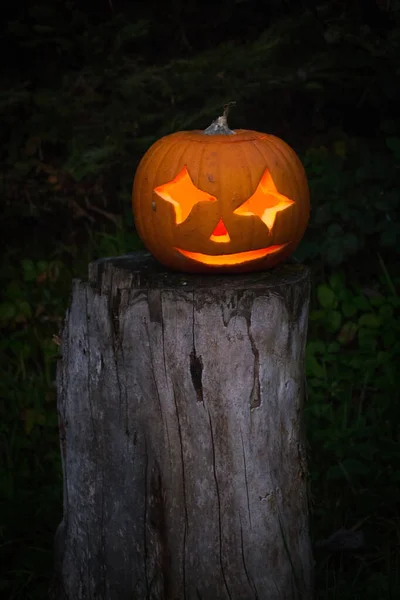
350, 243
390, 235
332, 251
313, 367
384, 357
316, 347
323, 214
333, 320
395, 301
377, 300
347, 469
14, 290
24, 308
389, 339
7, 311
367, 339
347, 333
307, 250
314, 85
393, 143
370, 320
349, 308
50, 349
353, 466
333, 348
29, 270
337, 281
326, 296
317, 315
335, 230
41, 267
362, 303
386, 311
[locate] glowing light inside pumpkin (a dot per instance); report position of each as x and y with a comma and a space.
220, 233
237, 258
182, 194
265, 202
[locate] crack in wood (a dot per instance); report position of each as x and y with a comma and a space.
114, 304
146, 509
255, 395
196, 373
245, 478
214, 467
184, 497
248, 577
155, 305
89, 365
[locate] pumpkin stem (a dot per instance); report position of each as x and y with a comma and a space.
220, 125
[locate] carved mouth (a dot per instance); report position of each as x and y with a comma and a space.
238, 258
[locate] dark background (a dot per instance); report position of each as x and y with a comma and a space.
86, 88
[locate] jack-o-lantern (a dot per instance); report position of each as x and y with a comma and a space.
220, 200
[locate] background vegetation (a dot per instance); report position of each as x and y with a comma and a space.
86, 88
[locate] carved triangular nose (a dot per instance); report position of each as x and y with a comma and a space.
220, 233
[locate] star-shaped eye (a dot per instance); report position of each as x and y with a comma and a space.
265, 202
182, 194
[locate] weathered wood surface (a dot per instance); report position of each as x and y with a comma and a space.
180, 403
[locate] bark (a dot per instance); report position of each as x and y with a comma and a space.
180, 406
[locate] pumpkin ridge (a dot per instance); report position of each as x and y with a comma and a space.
165, 143
288, 156
253, 181
279, 151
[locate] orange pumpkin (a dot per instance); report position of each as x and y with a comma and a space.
220, 200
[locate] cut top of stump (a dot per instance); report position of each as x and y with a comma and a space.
140, 270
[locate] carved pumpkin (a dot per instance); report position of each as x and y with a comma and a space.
220, 200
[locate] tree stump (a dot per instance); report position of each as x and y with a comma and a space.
180, 406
